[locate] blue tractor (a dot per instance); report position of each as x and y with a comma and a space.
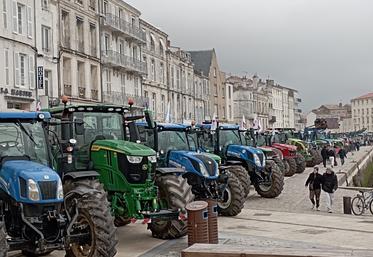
42, 210
176, 149
225, 140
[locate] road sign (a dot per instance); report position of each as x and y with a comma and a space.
40, 77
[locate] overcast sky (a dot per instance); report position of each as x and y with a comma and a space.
322, 48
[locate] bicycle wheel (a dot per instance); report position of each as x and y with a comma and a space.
357, 205
371, 206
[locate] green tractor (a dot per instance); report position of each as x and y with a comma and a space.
136, 188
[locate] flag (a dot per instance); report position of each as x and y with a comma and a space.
214, 124
260, 128
38, 106
243, 123
168, 115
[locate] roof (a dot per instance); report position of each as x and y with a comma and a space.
23, 115
202, 60
88, 108
166, 126
369, 95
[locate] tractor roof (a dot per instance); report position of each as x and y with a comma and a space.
166, 126
88, 108
221, 126
24, 115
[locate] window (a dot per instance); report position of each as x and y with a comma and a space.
153, 69
92, 5
65, 30
136, 82
172, 77
154, 101
162, 103
80, 34
22, 69
93, 35
46, 38
106, 43
108, 80
161, 49
215, 72
105, 7
19, 18
44, 4
161, 71
79, 2
6, 64
31, 68
152, 43
215, 89
47, 82
5, 17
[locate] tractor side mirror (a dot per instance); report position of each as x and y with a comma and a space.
79, 127
134, 132
149, 119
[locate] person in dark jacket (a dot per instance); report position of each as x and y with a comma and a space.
324, 155
329, 186
342, 155
314, 183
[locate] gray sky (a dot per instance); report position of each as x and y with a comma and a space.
322, 48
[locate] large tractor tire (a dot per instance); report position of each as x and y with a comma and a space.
292, 167
176, 193
243, 176
280, 164
3, 241
233, 198
93, 215
301, 163
274, 186
313, 161
287, 167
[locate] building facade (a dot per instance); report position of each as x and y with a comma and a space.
154, 54
18, 52
229, 102
362, 112
121, 45
202, 95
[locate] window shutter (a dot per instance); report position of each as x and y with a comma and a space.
17, 72
31, 72
5, 16
29, 22
15, 19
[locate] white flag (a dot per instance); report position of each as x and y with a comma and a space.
168, 115
214, 124
243, 123
38, 106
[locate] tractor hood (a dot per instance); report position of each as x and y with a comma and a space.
125, 147
14, 176
193, 162
247, 153
285, 147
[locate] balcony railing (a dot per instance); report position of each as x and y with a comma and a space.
120, 60
94, 94
67, 89
124, 26
121, 98
81, 92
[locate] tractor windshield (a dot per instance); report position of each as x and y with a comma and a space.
246, 138
229, 137
25, 140
172, 140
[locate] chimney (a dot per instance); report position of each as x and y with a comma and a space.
340, 105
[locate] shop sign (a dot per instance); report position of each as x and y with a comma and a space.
15, 92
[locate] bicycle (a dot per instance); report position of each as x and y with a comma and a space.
362, 202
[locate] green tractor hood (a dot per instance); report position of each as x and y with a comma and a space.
213, 156
125, 147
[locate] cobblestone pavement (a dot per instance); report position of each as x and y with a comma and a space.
294, 197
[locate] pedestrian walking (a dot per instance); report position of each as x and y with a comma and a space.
324, 155
342, 155
314, 183
331, 155
329, 186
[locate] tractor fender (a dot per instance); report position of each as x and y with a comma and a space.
165, 171
80, 174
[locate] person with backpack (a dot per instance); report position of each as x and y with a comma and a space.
324, 155
342, 155
329, 186
314, 183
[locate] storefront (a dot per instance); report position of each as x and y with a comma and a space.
14, 98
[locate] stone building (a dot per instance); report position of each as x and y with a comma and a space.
362, 112
229, 102
154, 54
18, 52
180, 85
121, 41
79, 54
206, 62
202, 95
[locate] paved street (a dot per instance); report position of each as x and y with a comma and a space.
286, 221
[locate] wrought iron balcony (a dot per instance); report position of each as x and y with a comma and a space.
81, 92
115, 59
125, 27
120, 98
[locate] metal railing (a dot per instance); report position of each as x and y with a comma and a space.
81, 91
117, 59
67, 89
121, 98
94, 94
124, 26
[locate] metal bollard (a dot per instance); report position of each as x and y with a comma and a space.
198, 228
347, 205
213, 221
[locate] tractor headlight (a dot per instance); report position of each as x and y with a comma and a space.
134, 159
203, 170
152, 159
33, 190
59, 190
257, 160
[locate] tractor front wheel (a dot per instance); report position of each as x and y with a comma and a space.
176, 193
292, 167
243, 176
233, 197
274, 184
301, 163
3, 241
94, 218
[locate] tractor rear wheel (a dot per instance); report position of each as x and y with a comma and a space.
94, 217
292, 167
287, 167
301, 163
280, 164
243, 176
176, 193
233, 197
275, 183
3, 241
